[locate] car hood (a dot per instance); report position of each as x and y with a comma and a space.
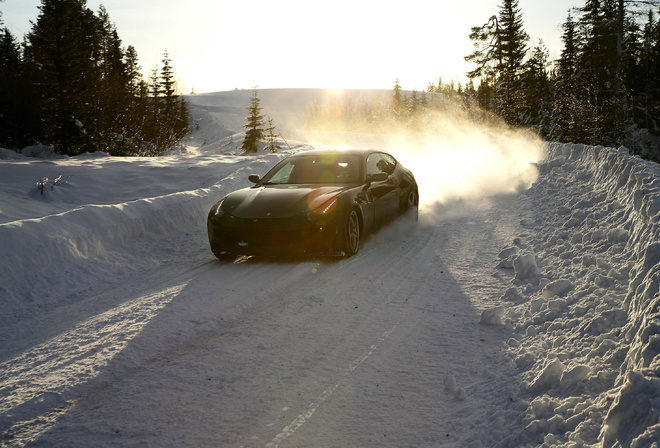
279, 201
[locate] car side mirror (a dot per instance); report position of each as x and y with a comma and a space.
254, 178
378, 177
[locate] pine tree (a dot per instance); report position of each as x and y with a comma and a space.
166, 95
501, 45
154, 85
166, 79
254, 125
536, 88
631, 74
413, 107
111, 56
654, 81
486, 56
512, 42
271, 144
398, 103
112, 95
175, 108
9, 52
10, 86
600, 73
470, 95
569, 55
74, 87
566, 102
153, 127
634, 7
133, 69
486, 95
649, 78
423, 100
510, 54
64, 44
167, 113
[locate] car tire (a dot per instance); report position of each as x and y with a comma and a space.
352, 233
412, 204
220, 255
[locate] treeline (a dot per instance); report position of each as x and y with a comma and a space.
377, 111
72, 85
397, 111
603, 90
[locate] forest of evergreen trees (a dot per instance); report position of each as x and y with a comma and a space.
603, 90
72, 85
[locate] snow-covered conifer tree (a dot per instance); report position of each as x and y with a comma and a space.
254, 125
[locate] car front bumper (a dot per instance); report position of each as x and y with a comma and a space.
278, 236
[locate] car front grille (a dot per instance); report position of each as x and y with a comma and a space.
278, 235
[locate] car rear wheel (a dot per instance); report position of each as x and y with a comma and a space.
352, 235
412, 205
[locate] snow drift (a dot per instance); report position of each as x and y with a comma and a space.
84, 220
584, 319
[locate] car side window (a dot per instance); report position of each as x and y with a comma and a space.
386, 164
373, 164
380, 163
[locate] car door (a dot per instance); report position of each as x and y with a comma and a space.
385, 194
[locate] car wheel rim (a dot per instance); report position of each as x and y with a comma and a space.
412, 205
412, 200
353, 232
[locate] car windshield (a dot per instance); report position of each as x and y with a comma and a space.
316, 169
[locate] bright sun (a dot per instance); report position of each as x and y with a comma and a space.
367, 44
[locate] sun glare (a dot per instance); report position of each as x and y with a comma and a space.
351, 45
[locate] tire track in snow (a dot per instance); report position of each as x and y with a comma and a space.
45, 377
378, 256
434, 283
266, 322
302, 418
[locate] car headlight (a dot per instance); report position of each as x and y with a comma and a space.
324, 211
216, 210
329, 208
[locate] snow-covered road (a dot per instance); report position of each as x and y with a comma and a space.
384, 348
521, 311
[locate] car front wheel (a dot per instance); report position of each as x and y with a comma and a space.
352, 234
221, 255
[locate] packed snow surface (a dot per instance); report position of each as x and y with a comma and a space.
521, 311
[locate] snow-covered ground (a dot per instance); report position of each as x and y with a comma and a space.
522, 310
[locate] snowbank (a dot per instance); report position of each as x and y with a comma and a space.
60, 247
585, 315
87, 231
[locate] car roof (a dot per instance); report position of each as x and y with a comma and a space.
352, 151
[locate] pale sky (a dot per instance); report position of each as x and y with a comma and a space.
218, 45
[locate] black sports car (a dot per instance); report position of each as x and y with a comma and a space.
313, 202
